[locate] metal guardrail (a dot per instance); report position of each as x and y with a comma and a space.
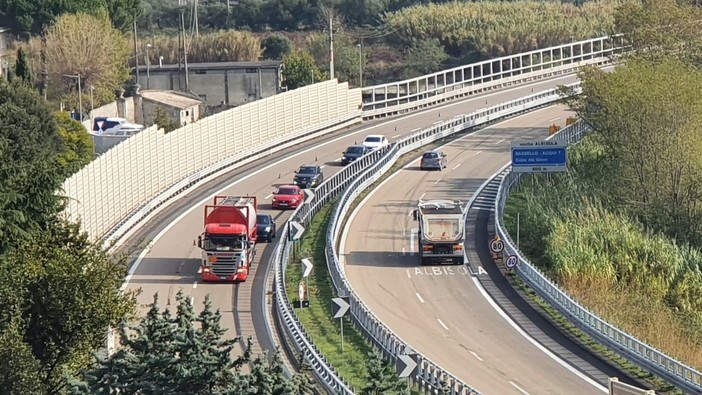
629, 347
424, 91
351, 182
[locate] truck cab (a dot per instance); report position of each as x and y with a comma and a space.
441, 231
229, 239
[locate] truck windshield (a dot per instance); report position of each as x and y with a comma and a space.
224, 243
443, 229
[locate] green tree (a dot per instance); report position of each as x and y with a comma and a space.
658, 29
424, 57
163, 121
276, 46
60, 292
648, 116
29, 147
382, 378
180, 354
80, 148
22, 69
88, 45
123, 13
300, 70
302, 382
346, 54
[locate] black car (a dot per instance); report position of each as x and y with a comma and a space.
265, 227
308, 176
352, 153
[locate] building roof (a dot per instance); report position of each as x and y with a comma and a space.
170, 98
265, 64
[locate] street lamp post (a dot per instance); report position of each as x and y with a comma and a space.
360, 65
80, 93
148, 66
92, 88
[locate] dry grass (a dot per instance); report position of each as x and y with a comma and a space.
641, 282
502, 28
222, 46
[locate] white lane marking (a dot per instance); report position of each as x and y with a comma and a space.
403, 251
195, 285
422, 197
531, 340
354, 213
476, 356
442, 323
415, 129
554, 119
322, 167
501, 141
192, 301
396, 136
408, 274
349, 222
268, 197
457, 166
199, 270
520, 389
437, 181
410, 213
197, 205
420, 299
477, 153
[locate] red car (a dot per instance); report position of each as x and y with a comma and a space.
288, 196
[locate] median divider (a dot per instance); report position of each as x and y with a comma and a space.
350, 182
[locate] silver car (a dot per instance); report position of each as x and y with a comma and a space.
433, 160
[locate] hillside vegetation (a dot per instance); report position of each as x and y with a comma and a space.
622, 230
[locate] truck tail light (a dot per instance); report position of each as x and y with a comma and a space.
458, 246
427, 248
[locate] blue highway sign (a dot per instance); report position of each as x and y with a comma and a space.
539, 156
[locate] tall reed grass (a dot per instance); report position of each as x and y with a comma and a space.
502, 28
222, 46
640, 281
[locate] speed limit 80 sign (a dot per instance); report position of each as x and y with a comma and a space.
496, 245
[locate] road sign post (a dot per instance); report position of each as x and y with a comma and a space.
406, 365
340, 306
511, 262
306, 270
496, 248
295, 230
539, 156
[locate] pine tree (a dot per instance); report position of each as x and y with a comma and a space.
261, 380
302, 382
22, 69
281, 384
382, 378
183, 354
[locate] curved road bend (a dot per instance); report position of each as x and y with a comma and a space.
172, 262
439, 310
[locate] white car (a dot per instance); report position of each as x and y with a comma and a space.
375, 141
114, 126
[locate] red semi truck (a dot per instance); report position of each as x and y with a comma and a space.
229, 240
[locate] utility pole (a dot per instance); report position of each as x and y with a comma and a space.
331, 48
195, 19
136, 53
185, 52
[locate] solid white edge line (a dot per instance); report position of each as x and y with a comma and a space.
476, 356
419, 297
520, 389
357, 209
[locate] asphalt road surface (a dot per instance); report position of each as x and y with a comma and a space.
441, 310
171, 262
